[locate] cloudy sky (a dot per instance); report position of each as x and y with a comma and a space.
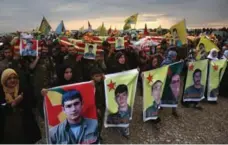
27, 14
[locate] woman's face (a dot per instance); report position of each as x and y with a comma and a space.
68, 74
156, 92
12, 81
121, 60
155, 62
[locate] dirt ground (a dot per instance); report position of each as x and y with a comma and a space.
208, 126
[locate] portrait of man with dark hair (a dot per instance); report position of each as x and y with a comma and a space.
197, 89
156, 89
202, 51
123, 114
90, 54
176, 37
76, 129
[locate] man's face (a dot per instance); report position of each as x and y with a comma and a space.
29, 45
71, 51
197, 78
175, 33
156, 91
121, 99
201, 47
8, 54
155, 62
90, 49
119, 42
175, 85
73, 109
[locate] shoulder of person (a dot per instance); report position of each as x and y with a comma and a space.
58, 129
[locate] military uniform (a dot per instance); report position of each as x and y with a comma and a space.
89, 55
152, 111
120, 117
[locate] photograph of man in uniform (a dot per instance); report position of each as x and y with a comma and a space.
119, 44
197, 89
75, 129
176, 37
28, 51
90, 54
156, 94
123, 114
203, 53
173, 91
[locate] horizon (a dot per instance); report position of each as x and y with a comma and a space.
25, 15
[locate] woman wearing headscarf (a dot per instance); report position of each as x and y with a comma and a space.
120, 64
18, 124
171, 58
213, 55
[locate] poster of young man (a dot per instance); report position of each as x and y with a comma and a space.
119, 43
70, 114
153, 85
172, 85
90, 51
120, 90
196, 81
216, 71
179, 33
28, 47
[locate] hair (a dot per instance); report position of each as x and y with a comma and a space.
71, 95
201, 44
95, 70
174, 30
120, 89
90, 46
158, 81
196, 71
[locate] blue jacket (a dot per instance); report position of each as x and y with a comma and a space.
62, 134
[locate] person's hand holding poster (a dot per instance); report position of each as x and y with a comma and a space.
196, 81
90, 51
71, 114
216, 71
172, 85
153, 85
120, 89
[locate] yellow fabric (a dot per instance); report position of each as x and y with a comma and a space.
8, 91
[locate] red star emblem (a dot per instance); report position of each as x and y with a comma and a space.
215, 67
191, 67
150, 78
111, 85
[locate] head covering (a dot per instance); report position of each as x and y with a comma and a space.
61, 72
225, 54
169, 57
118, 55
210, 56
9, 91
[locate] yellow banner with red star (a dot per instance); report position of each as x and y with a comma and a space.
196, 81
153, 85
216, 71
120, 91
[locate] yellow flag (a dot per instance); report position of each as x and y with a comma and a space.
204, 46
179, 33
132, 19
44, 26
102, 30
81, 29
127, 26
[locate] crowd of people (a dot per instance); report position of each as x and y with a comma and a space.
24, 80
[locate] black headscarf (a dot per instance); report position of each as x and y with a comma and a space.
61, 80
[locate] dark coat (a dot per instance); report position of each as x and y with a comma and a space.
21, 119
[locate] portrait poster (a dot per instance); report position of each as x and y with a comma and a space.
120, 91
179, 33
204, 47
56, 113
90, 51
28, 47
153, 85
119, 43
216, 71
196, 81
172, 86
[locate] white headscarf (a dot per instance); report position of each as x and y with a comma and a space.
210, 56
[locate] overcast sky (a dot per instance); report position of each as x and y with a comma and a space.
27, 14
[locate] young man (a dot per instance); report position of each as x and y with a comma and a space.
75, 129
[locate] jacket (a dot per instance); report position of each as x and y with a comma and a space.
61, 134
